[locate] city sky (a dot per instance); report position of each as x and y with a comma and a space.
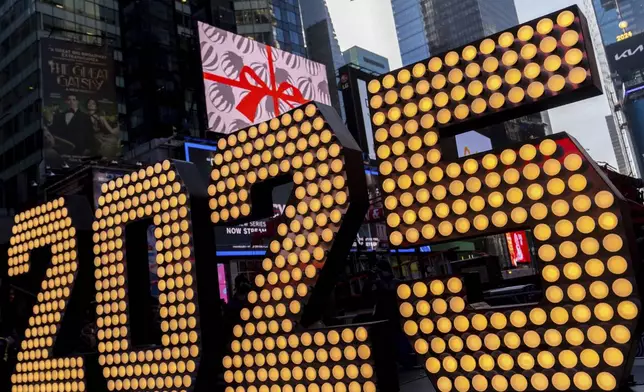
370, 24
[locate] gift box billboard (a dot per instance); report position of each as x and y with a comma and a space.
247, 82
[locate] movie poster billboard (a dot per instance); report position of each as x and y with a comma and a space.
247, 82
80, 112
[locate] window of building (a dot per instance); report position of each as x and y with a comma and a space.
295, 37
291, 17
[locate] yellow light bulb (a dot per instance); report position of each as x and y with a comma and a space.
490, 64
487, 46
475, 88
556, 83
516, 94
528, 51
478, 105
570, 38
509, 58
565, 19
544, 26
531, 71
573, 56
552, 63
548, 44
513, 76
577, 75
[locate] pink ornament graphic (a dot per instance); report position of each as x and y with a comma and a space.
216, 123
214, 34
222, 97
312, 67
231, 64
209, 57
323, 92
292, 60
247, 82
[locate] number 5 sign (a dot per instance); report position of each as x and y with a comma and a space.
579, 337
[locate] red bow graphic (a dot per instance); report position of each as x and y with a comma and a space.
248, 105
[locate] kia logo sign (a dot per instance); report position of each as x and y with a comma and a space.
628, 52
627, 55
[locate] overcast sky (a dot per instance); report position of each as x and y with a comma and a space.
369, 24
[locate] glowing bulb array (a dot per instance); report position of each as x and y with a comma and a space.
48, 225
155, 192
267, 354
577, 337
539, 60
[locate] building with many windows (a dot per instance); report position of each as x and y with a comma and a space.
619, 19
22, 24
273, 22
427, 27
620, 25
322, 43
160, 54
366, 59
434, 26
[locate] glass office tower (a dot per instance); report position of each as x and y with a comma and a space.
621, 26
22, 24
274, 22
434, 26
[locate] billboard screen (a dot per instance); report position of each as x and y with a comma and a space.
627, 55
518, 247
247, 82
80, 113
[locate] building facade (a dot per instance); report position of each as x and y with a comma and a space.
159, 53
610, 13
322, 44
366, 59
427, 27
618, 146
274, 22
22, 24
620, 25
434, 26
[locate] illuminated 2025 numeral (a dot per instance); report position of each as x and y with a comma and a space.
272, 350
579, 336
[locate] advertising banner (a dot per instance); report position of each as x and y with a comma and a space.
247, 82
80, 113
627, 55
518, 247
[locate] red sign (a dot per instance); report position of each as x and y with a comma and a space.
518, 247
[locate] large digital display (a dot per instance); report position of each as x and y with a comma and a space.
80, 116
247, 82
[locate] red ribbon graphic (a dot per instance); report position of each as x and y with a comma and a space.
248, 105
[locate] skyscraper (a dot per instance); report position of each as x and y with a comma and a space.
434, 26
273, 22
621, 28
618, 147
160, 56
610, 13
22, 24
366, 59
322, 43
427, 27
